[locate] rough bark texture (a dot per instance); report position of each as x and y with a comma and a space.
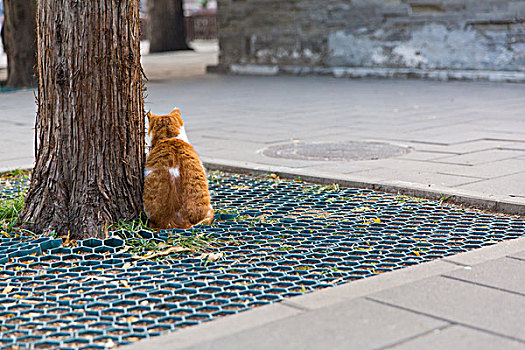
167, 31
90, 120
19, 38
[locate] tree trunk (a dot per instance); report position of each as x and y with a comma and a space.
19, 39
167, 31
90, 120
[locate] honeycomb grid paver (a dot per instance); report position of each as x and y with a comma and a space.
286, 239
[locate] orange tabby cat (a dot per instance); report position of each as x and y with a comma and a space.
175, 187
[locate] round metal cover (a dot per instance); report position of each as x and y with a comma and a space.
335, 151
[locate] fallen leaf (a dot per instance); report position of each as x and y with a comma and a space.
101, 278
177, 249
66, 241
211, 256
362, 209
127, 265
8, 289
131, 319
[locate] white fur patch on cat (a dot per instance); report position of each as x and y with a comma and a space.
182, 135
147, 172
148, 143
175, 172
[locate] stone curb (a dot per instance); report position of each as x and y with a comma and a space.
472, 200
373, 72
289, 308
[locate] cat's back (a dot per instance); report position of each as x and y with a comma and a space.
180, 160
164, 154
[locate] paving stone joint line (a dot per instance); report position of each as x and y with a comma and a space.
450, 321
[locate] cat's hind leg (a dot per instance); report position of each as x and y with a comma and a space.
208, 219
157, 202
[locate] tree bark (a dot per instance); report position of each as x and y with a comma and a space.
19, 39
167, 31
90, 120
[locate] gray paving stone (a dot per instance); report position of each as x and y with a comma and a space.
16, 163
328, 168
486, 171
519, 146
464, 303
458, 338
357, 324
443, 137
468, 147
505, 273
159, 67
481, 157
518, 255
409, 174
510, 185
425, 155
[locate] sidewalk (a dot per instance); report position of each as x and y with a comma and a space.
464, 139
473, 300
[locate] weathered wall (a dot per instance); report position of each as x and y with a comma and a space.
421, 34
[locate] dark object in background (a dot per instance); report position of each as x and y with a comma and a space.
201, 25
166, 30
19, 40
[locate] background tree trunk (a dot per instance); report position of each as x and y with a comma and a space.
167, 31
19, 38
90, 120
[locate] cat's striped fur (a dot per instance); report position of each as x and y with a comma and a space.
176, 191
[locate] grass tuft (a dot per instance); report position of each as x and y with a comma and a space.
11, 204
10, 209
193, 241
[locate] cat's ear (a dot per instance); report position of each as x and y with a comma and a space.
175, 113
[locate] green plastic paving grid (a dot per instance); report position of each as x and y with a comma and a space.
285, 239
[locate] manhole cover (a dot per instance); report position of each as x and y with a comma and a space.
335, 151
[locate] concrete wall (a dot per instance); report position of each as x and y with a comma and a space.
392, 34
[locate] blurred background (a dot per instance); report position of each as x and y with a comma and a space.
200, 24
467, 135
437, 39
